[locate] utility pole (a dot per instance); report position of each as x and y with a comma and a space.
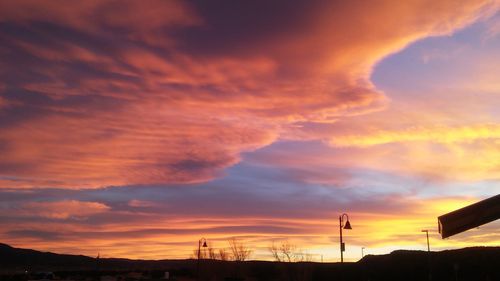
427, 233
428, 254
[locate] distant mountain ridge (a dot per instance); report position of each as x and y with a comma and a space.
475, 263
18, 259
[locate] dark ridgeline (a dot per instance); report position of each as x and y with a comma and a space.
474, 264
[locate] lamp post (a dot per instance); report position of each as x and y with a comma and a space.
347, 225
428, 254
427, 233
362, 252
199, 255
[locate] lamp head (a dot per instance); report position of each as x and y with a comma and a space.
347, 225
204, 244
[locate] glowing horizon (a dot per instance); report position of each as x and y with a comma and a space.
134, 128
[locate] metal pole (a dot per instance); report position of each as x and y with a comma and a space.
341, 243
428, 246
362, 252
428, 254
198, 266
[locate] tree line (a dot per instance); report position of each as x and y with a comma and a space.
237, 250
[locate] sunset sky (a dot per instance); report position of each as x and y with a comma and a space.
134, 128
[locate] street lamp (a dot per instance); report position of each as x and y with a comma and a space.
362, 252
347, 225
428, 254
427, 232
199, 254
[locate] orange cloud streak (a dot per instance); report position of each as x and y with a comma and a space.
313, 235
63, 209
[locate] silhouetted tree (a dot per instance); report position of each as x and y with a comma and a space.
224, 255
203, 254
285, 252
291, 258
275, 252
240, 253
212, 254
239, 250
288, 251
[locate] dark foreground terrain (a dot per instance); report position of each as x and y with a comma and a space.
475, 264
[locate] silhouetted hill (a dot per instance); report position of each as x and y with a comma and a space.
15, 257
19, 260
475, 264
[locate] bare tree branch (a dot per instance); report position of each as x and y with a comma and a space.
275, 252
224, 255
287, 251
239, 250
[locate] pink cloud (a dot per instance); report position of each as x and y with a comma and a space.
141, 203
63, 209
150, 150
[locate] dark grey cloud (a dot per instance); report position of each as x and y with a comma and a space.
37, 234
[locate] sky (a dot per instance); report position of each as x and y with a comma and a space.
135, 128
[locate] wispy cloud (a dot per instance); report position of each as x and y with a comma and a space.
66, 209
437, 134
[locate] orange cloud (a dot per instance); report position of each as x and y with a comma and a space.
63, 209
152, 149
